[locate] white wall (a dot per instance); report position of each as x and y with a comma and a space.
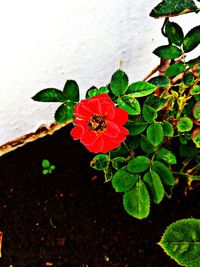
45, 42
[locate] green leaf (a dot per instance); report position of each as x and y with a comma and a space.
108, 174
192, 39
181, 241
170, 8
103, 90
136, 125
50, 95
155, 133
92, 91
159, 81
130, 104
167, 52
149, 113
175, 69
118, 162
174, 33
188, 79
64, 112
52, 167
163, 172
155, 102
119, 83
45, 163
146, 146
193, 62
45, 171
140, 89
185, 124
166, 155
168, 129
196, 137
137, 201
195, 90
196, 110
100, 162
71, 91
154, 183
123, 180
138, 164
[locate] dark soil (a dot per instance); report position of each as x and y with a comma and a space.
71, 217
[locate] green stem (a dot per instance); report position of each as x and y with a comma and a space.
132, 154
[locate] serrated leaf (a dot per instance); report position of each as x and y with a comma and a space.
170, 8
145, 145
149, 113
192, 39
196, 137
155, 185
167, 52
155, 102
100, 162
166, 155
136, 126
163, 172
174, 33
45, 163
71, 90
49, 95
159, 81
155, 133
195, 90
181, 241
119, 83
130, 104
64, 112
138, 164
140, 89
123, 180
108, 174
188, 78
185, 124
196, 110
118, 162
175, 69
137, 201
168, 129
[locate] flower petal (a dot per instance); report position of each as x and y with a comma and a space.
112, 129
121, 116
82, 111
77, 132
97, 146
89, 137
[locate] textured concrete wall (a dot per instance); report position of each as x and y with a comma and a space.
45, 42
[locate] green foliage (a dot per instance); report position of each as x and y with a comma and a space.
119, 83
47, 167
175, 69
192, 39
188, 78
71, 91
100, 162
181, 241
185, 124
168, 129
140, 89
149, 113
174, 33
166, 155
196, 110
145, 145
138, 164
130, 104
123, 180
155, 133
168, 52
136, 125
137, 201
195, 90
170, 8
196, 137
155, 102
155, 185
65, 112
118, 162
163, 172
50, 95
159, 81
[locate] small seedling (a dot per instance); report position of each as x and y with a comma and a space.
47, 167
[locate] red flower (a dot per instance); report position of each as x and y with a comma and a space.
99, 124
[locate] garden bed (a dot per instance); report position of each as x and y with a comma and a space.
71, 217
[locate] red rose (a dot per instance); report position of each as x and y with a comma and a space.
99, 124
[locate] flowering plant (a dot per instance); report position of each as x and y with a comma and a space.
146, 134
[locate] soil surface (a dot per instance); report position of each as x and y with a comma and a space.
71, 217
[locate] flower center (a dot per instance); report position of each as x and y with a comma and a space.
97, 123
